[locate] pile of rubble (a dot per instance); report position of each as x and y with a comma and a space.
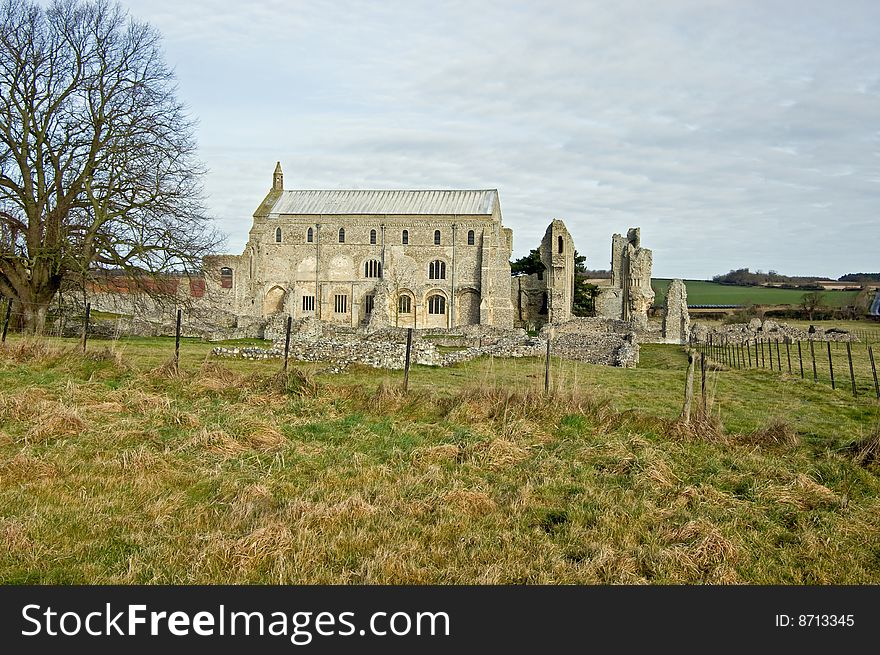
595, 341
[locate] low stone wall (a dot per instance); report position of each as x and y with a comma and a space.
766, 330
594, 341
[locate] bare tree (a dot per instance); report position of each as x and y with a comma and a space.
811, 301
97, 156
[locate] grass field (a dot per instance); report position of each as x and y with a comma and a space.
701, 292
114, 469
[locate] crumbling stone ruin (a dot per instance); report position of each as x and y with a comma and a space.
629, 295
594, 341
546, 296
676, 319
354, 268
736, 333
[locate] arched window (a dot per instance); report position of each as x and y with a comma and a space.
372, 237
372, 268
470, 237
225, 278
436, 304
404, 238
436, 237
310, 235
404, 304
342, 235
277, 235
559, 243
369, 303
437, 270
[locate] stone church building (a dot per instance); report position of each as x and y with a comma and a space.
422, 259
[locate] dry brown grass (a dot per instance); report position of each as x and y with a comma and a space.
803, 493
778, 433
222, 476
866, 450
702, 426
33, 350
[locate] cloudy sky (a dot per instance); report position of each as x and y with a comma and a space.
735, 133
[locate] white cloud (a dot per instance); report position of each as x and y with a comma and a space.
736, 134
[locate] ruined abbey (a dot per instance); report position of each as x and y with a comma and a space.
368, 262
421, 259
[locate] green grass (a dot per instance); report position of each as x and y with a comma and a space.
115, 470
701, 292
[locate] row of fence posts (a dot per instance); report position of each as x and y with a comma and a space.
84, 337
739, 355
407, 359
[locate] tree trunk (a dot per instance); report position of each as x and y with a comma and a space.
34, 305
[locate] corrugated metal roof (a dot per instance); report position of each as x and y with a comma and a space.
386, 202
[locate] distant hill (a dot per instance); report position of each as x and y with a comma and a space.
702, 292
860, 277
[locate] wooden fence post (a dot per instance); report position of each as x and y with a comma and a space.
788, 353
749, 352
177, 341
852, 375
800, 359
688, 389
874, 372
813, 357
409, 332
763, 364
85, 334
703, 382
778, 357
830, 364
547, 369
6, 320
287, 341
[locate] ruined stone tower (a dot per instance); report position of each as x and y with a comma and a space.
629, 295
557, 255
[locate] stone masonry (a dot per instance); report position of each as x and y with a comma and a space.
676, 319
629, 295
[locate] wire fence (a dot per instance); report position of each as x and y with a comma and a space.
841, 364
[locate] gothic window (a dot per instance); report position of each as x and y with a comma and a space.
436, 304
404, 305
372, 237
308, 303
543, 303
372, 268
404, 238
369, 303
341, 303
277, 235
342, 235
559, 243
310, 235
226, 278
436, 237
437, 270
470, 237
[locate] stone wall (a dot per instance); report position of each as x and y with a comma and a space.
676, 319
593, 341
629, 295
737, 333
